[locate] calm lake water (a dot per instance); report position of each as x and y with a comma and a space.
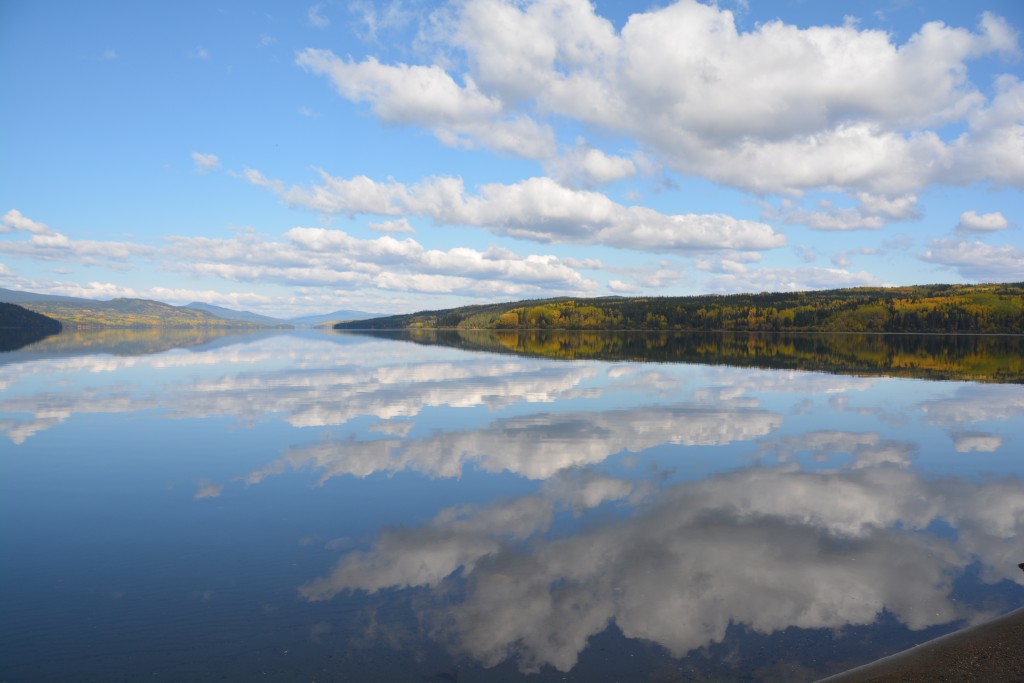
313, 506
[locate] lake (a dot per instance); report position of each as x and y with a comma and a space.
317, 506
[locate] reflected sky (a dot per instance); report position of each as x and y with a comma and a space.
391, 510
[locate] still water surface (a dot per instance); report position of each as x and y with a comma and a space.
327, 507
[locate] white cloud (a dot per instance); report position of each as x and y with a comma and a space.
993, 147
788, 279
459, 115
201, 52
988, 222
205, 162
318, 256
586, 166
978, 261
778, 108
175, 295
45, 244
14, 220
871, 212
538, 209
620, 287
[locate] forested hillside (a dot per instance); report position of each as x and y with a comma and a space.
20, 326
17, 317
987, 308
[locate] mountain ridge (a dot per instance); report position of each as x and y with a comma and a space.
232, 314
75, 312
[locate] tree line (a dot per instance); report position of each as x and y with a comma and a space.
985, 308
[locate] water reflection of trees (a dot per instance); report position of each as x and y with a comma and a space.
993, 358
128, 342
14, 339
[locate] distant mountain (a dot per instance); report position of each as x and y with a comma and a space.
336, 317
13, 296
245, 316
125, 313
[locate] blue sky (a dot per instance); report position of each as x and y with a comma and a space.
293, 158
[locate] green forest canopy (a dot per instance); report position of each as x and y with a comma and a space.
983, 308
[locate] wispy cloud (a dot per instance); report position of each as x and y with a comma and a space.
46, 244
204, 163
315, 16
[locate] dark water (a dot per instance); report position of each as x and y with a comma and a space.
321, 507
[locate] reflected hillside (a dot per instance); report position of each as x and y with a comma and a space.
12, 340
121, 341
995, 358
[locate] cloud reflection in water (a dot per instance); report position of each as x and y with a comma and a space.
765, 547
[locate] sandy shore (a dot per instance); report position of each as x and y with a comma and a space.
991, 652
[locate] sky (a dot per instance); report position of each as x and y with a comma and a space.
294, 158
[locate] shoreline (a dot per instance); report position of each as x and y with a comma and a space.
990, 652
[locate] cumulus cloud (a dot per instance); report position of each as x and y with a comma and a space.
987, 222
459, 115
586, 166
992, 148
204, 163
538, 209
776, 109
14, 220
978, 261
